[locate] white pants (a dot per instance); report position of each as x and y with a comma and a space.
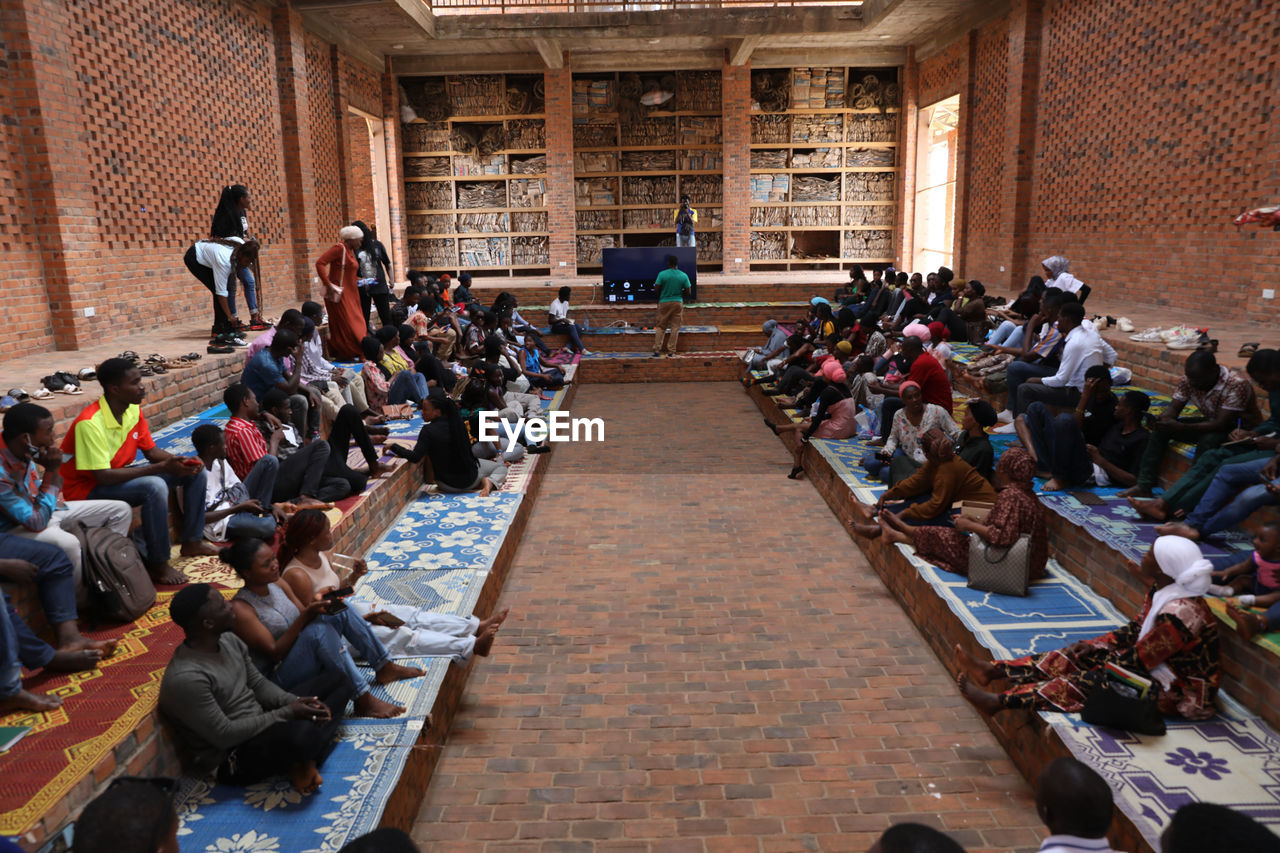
523, 405
117, 515
424, 633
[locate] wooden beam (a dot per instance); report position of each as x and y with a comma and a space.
740, 49
551, 52
712, 23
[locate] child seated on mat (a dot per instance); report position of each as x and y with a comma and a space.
1259, 573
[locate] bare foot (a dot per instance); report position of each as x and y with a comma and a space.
305, 778
1248, 625
198, 549
1155, 510
1135, 492
105, 647
484, 641
392, 671
25, 700
377, 469
981, 671
892, 536
867, 531
1053, 485
1178, 528
985, 701
307, 500
486, 488
166, 575
495, 620
65, 660
369, 705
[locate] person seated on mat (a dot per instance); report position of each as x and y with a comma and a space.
824, 371
384, 387
424, 359
1224, 400
1014, 318
338, 480
774, 347
1197, 827
540, 375
1253, 582
267, 371
311, 570
446, 443
1236, 492
904, 451
31, 506
509, 304
1039, 353
235, 509
973, 445
1174, 640
1014, 513
100, 448
330, 381
134, 815
1244, 445
792, 372
1082, 348
925, 371
942, 481
292, 641
558, 318
1076, 806
1057, 277
915, 838
938, 347
228, 719
300, 476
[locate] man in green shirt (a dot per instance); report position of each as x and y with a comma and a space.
672, 286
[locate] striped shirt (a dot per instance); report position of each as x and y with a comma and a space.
245, 446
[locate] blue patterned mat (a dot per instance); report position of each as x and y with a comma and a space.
447, 531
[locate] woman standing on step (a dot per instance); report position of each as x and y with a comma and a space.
336, 273
1174, 640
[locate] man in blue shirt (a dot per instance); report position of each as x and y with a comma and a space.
267, 371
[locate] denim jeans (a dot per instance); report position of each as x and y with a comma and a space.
55, 578
151, 493
1235, 494
686, 240
250, 288
573, 330
407, 386
319, 648
260, 484
19, 647
1007, 334
1059, 444
1018, 372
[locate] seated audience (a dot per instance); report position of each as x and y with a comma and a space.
100, 449
1244, 445
1252, 582
235, 509
291, 320
331, 382
914, 838
300, 475
938, 347
1014, 513
228, 718
775, 347
539, 375
508, 304
1200, 827
973, 446
1076, 805
311, 570
1174, 638
267, 371
1236, 492
338, 480
1039, 353
444, 441
558, 316
1223, 397
1027, 305
925, 371
943, 480
31, 506
292, 641
461, 295
382, 385
1083, 348
904, 450
132, 816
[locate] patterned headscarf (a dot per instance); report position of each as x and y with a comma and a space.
1056, 265
1017, 468
941, 448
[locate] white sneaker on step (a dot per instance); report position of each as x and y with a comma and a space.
1006, 429
1006, 415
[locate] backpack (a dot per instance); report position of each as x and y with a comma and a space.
684, 224
120, 588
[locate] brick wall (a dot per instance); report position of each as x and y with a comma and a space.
330, 208
941, 75
359, 171
735, 94
986, 152
559, 196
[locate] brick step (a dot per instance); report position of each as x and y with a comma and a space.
641, 340
696, 313
709, 289
684, 367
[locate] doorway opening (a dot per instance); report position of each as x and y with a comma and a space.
369, 194
935, 206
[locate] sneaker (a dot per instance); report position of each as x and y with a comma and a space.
1124, 324
218, 349
1148, 336
1174, 333
1007, 429
232, 341
586, 352
1183, 339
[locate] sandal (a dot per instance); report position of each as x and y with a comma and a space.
19, 394
130, 355
147, 370
1247, 350
42, 394
87, 374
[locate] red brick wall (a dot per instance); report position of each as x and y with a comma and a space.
359, 171
559, 195
364, 86
735, 95
986, 153
941, 75
330, 209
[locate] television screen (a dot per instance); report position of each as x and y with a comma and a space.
629, 273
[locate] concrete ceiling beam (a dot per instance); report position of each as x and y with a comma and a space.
740, 50
420, 13
487, 63
717, 23
550, 51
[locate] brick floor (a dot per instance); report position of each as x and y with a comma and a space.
698, 658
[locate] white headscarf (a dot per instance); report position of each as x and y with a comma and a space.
1181, 560
350, 232
1058, 275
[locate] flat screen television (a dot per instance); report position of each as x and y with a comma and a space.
629, 273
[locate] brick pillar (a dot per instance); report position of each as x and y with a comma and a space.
960, 225
559, 196
395, 183
299, 171
63, 218
346, 189
1025, 19
907, 133
735, 94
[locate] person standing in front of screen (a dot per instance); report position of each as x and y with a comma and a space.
685, 217
672, 286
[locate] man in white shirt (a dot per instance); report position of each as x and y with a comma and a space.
1076, 805
1083, 347
235, 510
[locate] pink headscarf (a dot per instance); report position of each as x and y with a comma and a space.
910, 383
917, 330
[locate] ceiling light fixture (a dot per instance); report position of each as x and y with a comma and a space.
397, 47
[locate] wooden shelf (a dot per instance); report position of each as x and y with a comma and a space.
517, 151
452, 210
655, 230
818, 170
760, 146
462, 179
480, 119
828, 111
661, 173
481, 234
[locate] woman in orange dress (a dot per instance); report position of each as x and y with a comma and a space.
336, 269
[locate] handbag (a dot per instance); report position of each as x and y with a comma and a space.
1120, 701
1005, 571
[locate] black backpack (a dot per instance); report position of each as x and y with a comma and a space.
120, 589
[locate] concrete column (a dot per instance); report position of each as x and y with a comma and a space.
291, 74
393, 139
735, 94
1025, 21
559, 196
63, 219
